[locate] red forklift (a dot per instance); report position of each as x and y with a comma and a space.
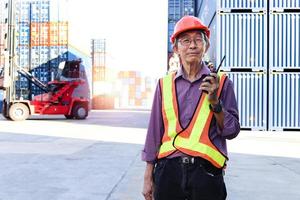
58, 95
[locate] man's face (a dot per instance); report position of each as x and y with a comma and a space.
191, 47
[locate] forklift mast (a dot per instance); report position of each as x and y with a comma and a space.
9, 72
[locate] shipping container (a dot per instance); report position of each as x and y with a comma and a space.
251, 94
242, 38
39, 11
286, 4
22, 11
22, 57
284, 110
39, 34
100, 85
98, 45
284, 41
171, 25
58, 33
179, 8
98, 59
134, 90
23, 33
99, 74
254, 5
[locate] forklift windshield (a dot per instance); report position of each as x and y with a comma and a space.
72, 69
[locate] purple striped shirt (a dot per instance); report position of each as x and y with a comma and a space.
188, 95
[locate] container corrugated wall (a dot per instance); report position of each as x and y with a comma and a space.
284, 109
284, 4
177, 9
242, 4
250, 89
242, 38
284, 40
100, 100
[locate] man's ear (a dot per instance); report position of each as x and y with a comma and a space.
175, 49
207, 46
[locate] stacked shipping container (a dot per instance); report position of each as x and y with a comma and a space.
135, 90
261, 42
239, 32
100, 99
242, 37
41, 41
284, 68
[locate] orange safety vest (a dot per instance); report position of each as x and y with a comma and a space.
193, 140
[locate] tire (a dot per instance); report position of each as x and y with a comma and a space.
80, 111
6, 117
69, 116
18, 112
4, 113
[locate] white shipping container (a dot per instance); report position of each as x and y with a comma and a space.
251, 93
284, 40
286, 4
284, 110
242, 4
22, 11
242, 38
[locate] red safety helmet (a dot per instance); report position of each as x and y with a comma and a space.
187, 23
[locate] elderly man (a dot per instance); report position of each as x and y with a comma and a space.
194, 112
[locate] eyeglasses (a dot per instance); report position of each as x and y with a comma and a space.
187, 41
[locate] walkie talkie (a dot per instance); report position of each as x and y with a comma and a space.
216, 70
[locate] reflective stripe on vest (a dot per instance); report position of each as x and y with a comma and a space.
193, 140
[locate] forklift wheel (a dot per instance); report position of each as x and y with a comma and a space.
18, 112
5, 116
4, 107
80, 111
69, 116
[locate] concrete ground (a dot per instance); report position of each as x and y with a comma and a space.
51, 158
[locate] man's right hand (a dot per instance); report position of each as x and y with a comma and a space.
148, 188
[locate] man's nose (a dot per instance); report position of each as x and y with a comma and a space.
193, 44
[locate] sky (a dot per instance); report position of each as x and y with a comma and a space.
135, 32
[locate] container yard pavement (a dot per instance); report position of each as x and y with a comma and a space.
99, 159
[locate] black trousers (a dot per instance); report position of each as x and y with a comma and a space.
186, 178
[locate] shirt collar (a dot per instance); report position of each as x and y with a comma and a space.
203, 71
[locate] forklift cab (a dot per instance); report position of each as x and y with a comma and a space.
69, 70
